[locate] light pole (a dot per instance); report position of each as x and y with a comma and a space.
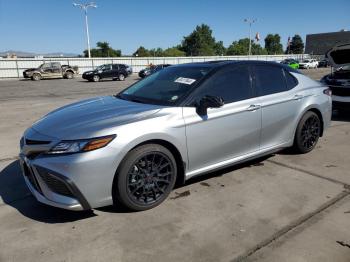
85, 7
250, 22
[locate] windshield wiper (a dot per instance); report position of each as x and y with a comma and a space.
136, 100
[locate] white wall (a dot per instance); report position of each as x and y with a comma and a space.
15, 67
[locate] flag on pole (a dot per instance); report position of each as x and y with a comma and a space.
257, 37
288, 45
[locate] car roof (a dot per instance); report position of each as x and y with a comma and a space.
222, 63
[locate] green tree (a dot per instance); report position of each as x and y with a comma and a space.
173, 51
296, 45
200, 42
156, 52
103, 50
241, 47
273, 44
220, 48
141, 52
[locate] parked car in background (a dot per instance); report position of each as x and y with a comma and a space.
127, 68
51, 70
291, 62
179, 122
308, 63
152, 69
339, 79
323, 63
110, 71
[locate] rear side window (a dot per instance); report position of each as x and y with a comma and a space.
290, 80
232, 84
115, 67
269, 80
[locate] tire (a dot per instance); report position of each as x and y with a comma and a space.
121, 77
69, 75
36, 77
96, 78
307, 133
145, 177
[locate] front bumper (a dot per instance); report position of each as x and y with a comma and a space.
51, 188
26, 75
87, 77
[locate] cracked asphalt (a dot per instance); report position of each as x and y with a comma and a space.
282, 207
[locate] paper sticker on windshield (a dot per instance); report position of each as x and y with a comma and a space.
184, 80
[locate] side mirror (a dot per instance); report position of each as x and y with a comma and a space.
208, 102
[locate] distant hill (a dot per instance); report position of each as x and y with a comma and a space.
29, 54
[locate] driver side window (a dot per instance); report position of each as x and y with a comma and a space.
232, 84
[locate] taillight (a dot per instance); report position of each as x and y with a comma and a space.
327, 92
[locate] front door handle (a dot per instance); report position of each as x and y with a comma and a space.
253, 107
298, 97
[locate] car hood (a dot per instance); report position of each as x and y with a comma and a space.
30, 69
89, 72
339, 55
92, 117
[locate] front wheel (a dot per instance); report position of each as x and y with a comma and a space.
145, 178
96, 78
307, 133
36, 77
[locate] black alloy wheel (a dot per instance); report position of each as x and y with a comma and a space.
308, 132
145, 177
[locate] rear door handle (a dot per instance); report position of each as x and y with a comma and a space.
253, 107
298, 97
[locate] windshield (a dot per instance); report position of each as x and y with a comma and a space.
166, 86
306, 61
102, 67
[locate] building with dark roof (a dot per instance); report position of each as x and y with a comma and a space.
319, 44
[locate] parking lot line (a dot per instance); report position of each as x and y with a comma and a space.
308, 172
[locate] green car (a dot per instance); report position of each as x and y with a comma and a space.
291, 62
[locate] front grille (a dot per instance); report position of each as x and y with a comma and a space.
340, 91
37, 142
55, 184
31, 178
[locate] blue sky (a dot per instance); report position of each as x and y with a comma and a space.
44, 26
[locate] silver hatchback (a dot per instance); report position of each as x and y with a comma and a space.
182, 121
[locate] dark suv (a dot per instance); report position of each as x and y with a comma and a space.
112, 71
152, 69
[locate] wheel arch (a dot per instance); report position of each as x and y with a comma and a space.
316, 110
180, 163
319, 114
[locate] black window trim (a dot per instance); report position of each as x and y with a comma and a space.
283, 69
285, 72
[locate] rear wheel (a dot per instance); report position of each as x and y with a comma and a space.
69, 75
96, 78
121, 77
36, 77
307, 133
145, 177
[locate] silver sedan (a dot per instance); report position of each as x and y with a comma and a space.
182, 121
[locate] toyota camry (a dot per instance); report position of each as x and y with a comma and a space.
131, 148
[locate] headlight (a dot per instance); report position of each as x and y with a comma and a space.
85, 145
